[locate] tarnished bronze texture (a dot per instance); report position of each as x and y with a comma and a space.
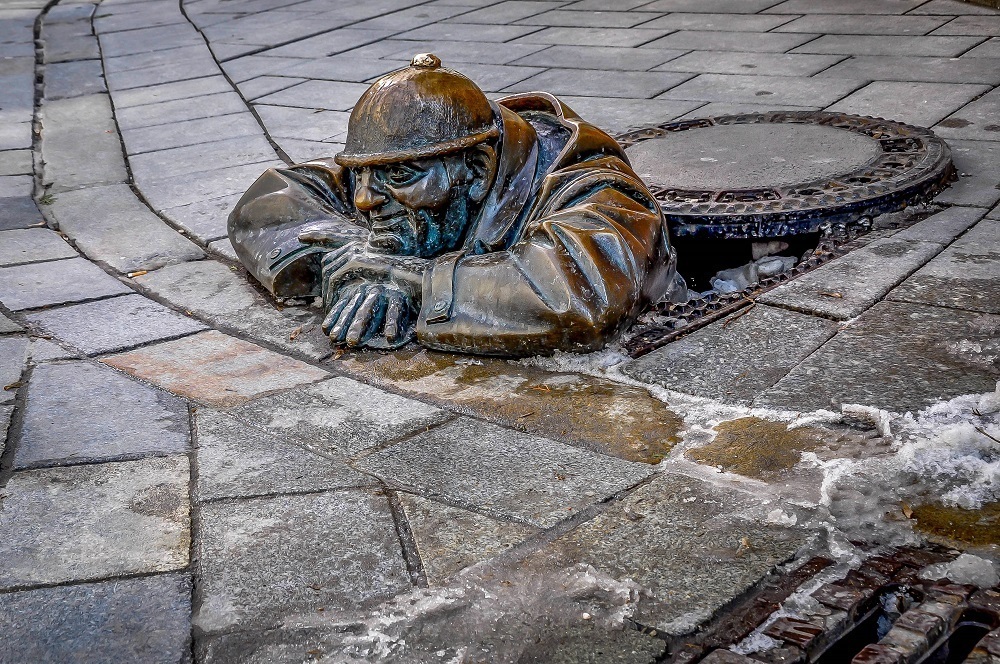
505, 228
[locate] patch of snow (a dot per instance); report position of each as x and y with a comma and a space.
967, 568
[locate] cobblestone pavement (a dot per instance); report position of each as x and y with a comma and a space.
190, 472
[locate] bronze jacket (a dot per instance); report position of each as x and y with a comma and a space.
567, 250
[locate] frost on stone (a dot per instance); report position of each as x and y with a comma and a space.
967, 568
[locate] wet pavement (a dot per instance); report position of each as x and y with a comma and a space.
190, 471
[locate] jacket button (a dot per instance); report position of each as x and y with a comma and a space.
274, 253
440, 306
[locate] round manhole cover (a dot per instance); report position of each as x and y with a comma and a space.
767, 175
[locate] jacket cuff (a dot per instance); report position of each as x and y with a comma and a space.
438, 288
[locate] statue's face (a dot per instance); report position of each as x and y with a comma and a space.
415, 208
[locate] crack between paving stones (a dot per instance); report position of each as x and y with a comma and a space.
408, 544
14, 430
125, 576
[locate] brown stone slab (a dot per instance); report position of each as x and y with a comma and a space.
215, 368
896, 356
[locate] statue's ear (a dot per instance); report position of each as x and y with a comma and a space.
482, 161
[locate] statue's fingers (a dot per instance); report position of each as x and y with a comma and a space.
321, 237
336, 256
339, 328
365, 313
393, 317
338, 307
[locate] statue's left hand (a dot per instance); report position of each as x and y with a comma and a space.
363, 311
351, 263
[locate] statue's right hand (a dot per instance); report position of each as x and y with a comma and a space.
364, 310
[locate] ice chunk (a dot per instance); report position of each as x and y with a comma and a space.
967, 568
772, 265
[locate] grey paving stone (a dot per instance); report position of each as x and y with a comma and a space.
711, 6
951, 8
179, 110
765, 42
299, 151
18, 93
947, 353
205, 220
452, 52
7, 325
988, 49
596, 19
42, 350
331, 95
226, 299
839, 24
722, 22
154, 58
493, 78
336, 417
506, 473
144, 40
905, 68
735, 359
28, 245
599, 83
16, 135
617, 115
450, 539
19, 212
80, 146
5, 414
73, 79
114, 324
978, 164
504, 12
111, 225
921, 104
79, 412
851, 284
949, 47
980, 120
70, 13
125, 620
469, 32
411, 17
329, 43
695, 532
236, 461
167, 72
15, 162
14, 186
771, 64
723, 108
265, 85
224, 248
67, 49
55, 282
782, 90
302, 123
986, 26
339, 68
194, 159
264, 560
594, 36
191, 132
177, 90
942, 227
95, 521
963, 276
844, 7
114, 22
204, 186
14, 355
994, 213
599, 57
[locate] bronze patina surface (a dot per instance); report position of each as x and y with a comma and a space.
503, 228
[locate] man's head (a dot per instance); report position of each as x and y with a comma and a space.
420, 146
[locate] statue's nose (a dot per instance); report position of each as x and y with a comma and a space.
366, 197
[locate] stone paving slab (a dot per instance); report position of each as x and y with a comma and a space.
30, 245
765, 42
450, 539
986, 26
173, 91
965, 275
330, 95
502, 472
617, 115
719, 22
78, 412
624, 421
114, 324
586, 82
237, 461
8, 326
15, 186
74, 79
942, 227
195, 159
5, 414
838, 24
336, 417
980, 120
190, 132
225, 298
109, 224
55, 282
738, 358
988, 49
921, 104
948, 353
15, 162
695, 533
15, 136
598, 57
127, 620
203, 186
843, 7
263, 560
978, 164
908, 68
145, 40
621, 37
95, 521
179, 110
80, 146
910, 46
13, 355
19, 212
771, 64
204, 220
783, 90
214, 368
400, 51
851, 284
302, 123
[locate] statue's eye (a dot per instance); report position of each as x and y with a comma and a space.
399, 175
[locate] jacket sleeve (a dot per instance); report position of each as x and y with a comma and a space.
595, 253
283, 203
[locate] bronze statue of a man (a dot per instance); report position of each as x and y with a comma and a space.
509, 228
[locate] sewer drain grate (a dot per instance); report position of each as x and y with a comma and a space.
880, 613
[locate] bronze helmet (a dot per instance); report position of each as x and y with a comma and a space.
420, 111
